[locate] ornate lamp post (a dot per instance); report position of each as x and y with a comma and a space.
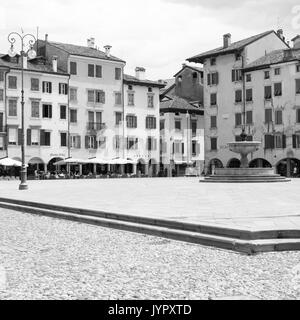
26, 51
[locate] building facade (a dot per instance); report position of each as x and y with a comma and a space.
234, 98
182, 124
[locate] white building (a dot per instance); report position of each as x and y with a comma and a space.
231, 95
46, 111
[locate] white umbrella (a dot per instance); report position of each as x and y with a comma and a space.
96, 161
122, 161
8, 162
69, 161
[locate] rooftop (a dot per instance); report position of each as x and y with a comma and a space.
177, 104
133, 80
236, 46
197, 69
83, 51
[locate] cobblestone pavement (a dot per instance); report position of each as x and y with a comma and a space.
44, 258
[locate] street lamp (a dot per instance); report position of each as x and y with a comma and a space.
12, 37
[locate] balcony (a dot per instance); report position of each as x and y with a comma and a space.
95, 126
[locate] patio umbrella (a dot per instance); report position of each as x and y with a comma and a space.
8, 162
69, 161
96, 161
122, 161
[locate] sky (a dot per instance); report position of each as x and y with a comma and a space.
158, 35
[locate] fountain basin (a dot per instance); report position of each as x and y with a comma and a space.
244, 147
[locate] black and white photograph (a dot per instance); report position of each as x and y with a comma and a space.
149, 151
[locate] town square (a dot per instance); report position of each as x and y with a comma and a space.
155, 161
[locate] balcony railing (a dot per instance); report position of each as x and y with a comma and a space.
95, 126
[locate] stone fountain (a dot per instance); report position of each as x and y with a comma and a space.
244, 174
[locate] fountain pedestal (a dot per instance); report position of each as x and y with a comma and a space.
244, 174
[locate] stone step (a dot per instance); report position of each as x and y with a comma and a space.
243, 181
243, 246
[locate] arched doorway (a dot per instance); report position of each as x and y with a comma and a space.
153, 168
141, 166
51, 167
35, 164
260, 163
234, 163
214, 164
288, 167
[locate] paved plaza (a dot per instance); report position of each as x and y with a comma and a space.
243, 206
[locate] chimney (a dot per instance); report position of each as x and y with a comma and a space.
296, 42
46, 37
226, 40
107, 50
183, 65
25, 62
140, 73
280, 33
91, 43
54, 63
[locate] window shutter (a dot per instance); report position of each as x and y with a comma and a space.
96, 143
43, 86
42, 137
79, 142
29, 137
217, 78
208, 79
198, 148
294, 141
272, 138
20, 137
283, 141
59, 88
86, 142
182, 148
233, 75
50, 111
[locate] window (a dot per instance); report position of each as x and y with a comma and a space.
118, 73
238, 96
298, 115
118, 98
131, 99
1, 94
12, 108
130, 87
298, 68
195, 76
268, 92
63, 112
238, 119
277, 89
35, 109
178, 125
63, 139
73, 115
117, 142
63, 88
2, 144
12, 136
33, 137
12, 82
151, 144
213, 122
132, 143
102, 142
213, 144
238, 56
47, 87
131, 121
47, 111
194, 148
267, 74
150, 90
213, 61
35, 84
277, 71
269, 141
1, 76
177, 147
75, 142
194, 128
249, 96
73, 94
237, 75
249, 77
100, 96
119, 118
280, 141
297, 86
98, 71
150, 122
278, 117
249, 117
268, 116
91, 95
213, 99
91, 70
45, 138
73, 68
162, 125
296, 141
213, 78
91, 142
150, 101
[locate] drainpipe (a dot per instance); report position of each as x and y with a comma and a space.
123, 106
69, 134
244, 94
6, 72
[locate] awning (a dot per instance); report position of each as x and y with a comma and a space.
70, 161
122, 161
96, 161
8, 162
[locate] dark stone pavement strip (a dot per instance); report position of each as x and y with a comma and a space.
44, 258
